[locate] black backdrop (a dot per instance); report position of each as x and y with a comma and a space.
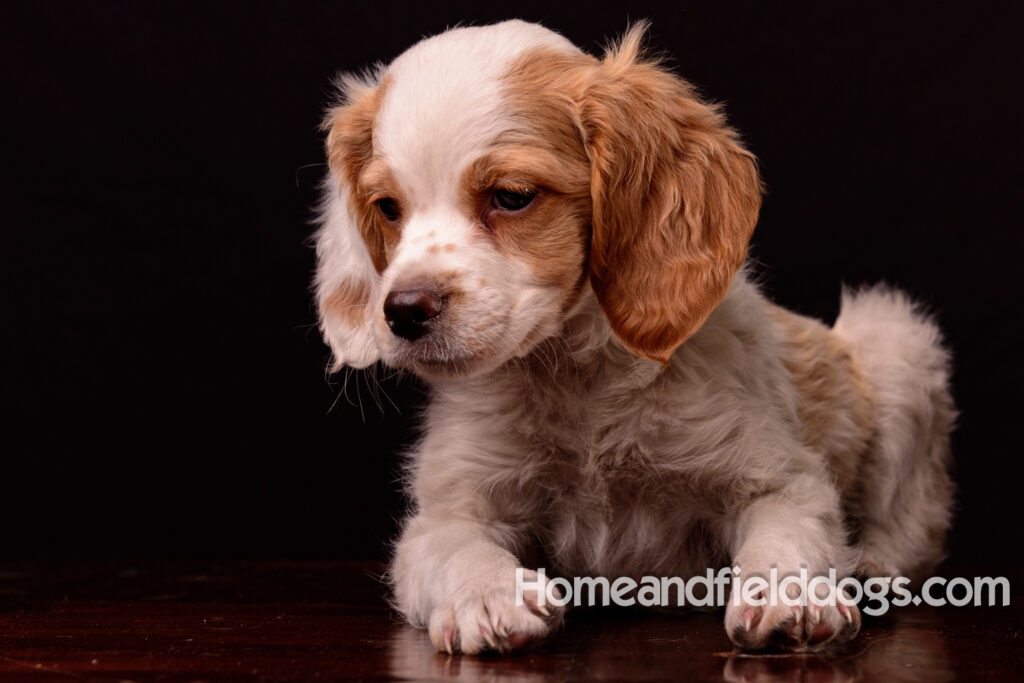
165, 383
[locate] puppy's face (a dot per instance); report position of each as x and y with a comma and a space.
483, 180
480, 262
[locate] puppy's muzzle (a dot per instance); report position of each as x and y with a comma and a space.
409, 313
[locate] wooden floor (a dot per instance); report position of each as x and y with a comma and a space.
328, 621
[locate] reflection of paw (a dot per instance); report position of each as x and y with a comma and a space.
790, 627
485, 616
741, 668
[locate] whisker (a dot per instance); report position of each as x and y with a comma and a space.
303, 167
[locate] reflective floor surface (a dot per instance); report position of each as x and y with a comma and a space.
280, 621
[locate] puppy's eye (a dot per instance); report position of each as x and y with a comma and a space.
388, 208
512, 200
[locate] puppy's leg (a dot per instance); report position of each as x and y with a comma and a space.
457, 578
798, 525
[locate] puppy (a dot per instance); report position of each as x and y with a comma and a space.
555, 244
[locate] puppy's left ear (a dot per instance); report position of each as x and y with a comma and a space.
349, 252
675, 200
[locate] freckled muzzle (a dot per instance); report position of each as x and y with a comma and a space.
409, 313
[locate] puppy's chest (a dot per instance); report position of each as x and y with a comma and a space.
611, 512
610, 435
604, 458
587, 432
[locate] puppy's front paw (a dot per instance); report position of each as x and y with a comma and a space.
796, 628
484, 616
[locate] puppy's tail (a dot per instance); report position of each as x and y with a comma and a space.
907, 493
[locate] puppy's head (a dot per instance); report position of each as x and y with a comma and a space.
489, 175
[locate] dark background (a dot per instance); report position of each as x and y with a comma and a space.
165, 384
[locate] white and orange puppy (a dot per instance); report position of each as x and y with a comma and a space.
554, 243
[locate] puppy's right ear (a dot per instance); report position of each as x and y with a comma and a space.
347, 280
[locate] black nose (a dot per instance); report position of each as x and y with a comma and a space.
408, 313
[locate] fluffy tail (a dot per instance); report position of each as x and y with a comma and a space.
906, 503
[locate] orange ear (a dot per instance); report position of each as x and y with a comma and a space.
675, 200
347, 280
349, 127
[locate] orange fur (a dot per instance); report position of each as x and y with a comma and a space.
673, 196
349, 155
836, 410
349, 301
675, 199
545, 151
551, 234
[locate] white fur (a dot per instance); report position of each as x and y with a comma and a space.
558, 447
452, 81
901, 353
341, 255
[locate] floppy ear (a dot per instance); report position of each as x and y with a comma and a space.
346, 282
675, 200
